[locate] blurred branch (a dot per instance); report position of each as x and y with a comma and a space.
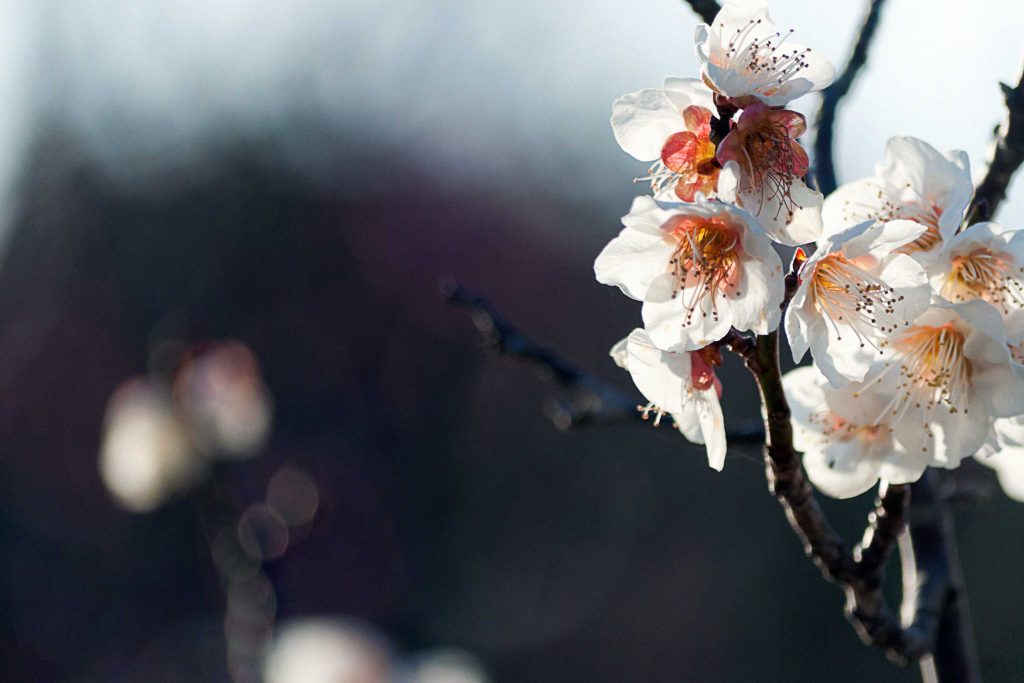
705, 9
1006, 155
590, 400
250, 601
825, 120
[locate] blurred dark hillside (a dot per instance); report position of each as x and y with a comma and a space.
452, 513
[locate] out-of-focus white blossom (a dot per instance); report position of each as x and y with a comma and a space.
745, 58
854, 294
699, 269
682, 385
324, 650
228, 407
146, 457
915, 182
847, 449
160, 437
446, 666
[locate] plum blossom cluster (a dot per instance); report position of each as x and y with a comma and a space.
913, 320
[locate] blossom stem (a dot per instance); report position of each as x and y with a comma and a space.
1005, 158
825, 120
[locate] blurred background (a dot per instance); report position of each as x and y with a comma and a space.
223, 228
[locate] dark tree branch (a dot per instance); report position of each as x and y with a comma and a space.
934, 601
1005, 157
942, 623
588, 399
825, 120
860, 578
705, 9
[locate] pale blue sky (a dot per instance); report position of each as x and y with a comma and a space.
487, 91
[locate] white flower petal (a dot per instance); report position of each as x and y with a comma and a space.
642, 121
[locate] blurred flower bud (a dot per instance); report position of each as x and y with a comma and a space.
227, 405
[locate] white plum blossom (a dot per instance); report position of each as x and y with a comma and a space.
854, 294
763, 166
682, 385
985, 261
949, 375
1005, 454
699, 268
670, 126
846, 448
915, 182
744, 58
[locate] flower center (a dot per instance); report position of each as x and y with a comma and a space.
885, 208
933, 371
705, 261
702, 369
983, 274
765, 66
687, 159
771, 160
851, 298
834, 427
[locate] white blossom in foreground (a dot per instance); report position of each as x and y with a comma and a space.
915, 182
699, 269
670, 126
854, 293
949, 375
763, 166
985, 261
744, 58
1005, 454
846, 450
682, 385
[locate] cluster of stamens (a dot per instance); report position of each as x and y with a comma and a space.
771, 164
659, 176
933, 373
831, 426
849, 297
650, 409
983, 274
704, 264
886, 208
764, 63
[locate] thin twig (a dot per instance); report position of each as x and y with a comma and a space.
589, 400
1005, 157
825, 120
705, 9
